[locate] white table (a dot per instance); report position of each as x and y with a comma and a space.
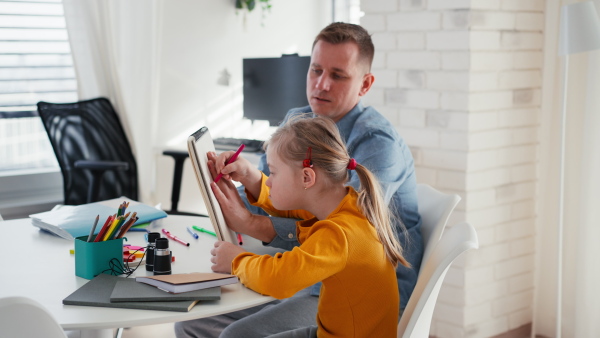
38, 265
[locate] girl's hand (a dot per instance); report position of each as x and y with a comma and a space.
222, 255
243, 172
240, 170
234, 211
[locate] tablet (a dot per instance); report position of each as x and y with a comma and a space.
199, 143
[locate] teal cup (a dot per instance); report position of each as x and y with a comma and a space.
94, 258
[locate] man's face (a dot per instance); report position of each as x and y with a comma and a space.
336, 79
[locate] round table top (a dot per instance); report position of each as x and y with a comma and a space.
39, 265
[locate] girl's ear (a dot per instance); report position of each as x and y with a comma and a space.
309, 177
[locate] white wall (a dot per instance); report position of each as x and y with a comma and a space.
461, 82
201, 38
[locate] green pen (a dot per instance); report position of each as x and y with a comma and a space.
203, 230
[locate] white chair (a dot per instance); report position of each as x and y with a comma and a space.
435, 208
416, 318
24, 317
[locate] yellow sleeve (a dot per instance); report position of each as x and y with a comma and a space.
322, 255
264, 203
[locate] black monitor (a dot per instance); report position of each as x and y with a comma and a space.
272, 86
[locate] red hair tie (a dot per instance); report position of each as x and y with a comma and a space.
307, 163
352, 164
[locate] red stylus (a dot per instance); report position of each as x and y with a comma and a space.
231, 160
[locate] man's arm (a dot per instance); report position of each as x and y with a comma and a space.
282, 231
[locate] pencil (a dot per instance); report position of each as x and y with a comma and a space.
102, 232
115, 231
111, 228
93, 228
126, 227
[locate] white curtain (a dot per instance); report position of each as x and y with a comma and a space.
581, 270
116, 52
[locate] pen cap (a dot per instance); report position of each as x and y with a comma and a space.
153, 236
162, 243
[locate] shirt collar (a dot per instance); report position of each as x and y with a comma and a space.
346, 123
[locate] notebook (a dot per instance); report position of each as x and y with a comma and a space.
97, 292
185, 282
129, 290
199, 143
69, 222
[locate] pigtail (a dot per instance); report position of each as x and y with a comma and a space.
372, 204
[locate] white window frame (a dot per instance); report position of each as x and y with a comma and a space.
26, 191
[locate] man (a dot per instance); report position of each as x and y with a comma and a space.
338, 77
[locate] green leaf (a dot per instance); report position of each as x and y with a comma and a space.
238, 4
251, 4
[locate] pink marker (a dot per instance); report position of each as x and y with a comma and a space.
175, 238
231, 160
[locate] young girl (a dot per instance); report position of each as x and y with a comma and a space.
346, 237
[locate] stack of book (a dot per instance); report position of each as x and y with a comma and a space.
113, 291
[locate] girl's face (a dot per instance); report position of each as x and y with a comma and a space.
285, 182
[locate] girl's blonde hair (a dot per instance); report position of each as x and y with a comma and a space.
329, 153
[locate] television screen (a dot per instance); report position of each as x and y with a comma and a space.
272, 86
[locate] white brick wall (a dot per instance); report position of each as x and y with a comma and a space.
461, 81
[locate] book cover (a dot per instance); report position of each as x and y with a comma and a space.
184, 282
74, 221
97, 292
128, 290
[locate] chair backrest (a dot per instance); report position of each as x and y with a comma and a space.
89, 130
435, 207
416, 318
24, 317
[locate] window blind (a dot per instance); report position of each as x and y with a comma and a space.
35, 65
35, 57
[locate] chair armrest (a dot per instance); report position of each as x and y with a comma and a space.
101, 165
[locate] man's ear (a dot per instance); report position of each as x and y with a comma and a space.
309, 177
367, 82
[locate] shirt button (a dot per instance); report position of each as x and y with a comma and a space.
290, 235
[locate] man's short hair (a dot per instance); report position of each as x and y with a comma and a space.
341, 32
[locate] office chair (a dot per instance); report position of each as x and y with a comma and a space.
94, 154
417, 316
435, 208
92, 150
24, 317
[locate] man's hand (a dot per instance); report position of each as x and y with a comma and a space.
222, 255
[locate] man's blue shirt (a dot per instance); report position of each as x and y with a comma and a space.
375, 144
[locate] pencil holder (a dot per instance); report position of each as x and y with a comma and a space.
93, 258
